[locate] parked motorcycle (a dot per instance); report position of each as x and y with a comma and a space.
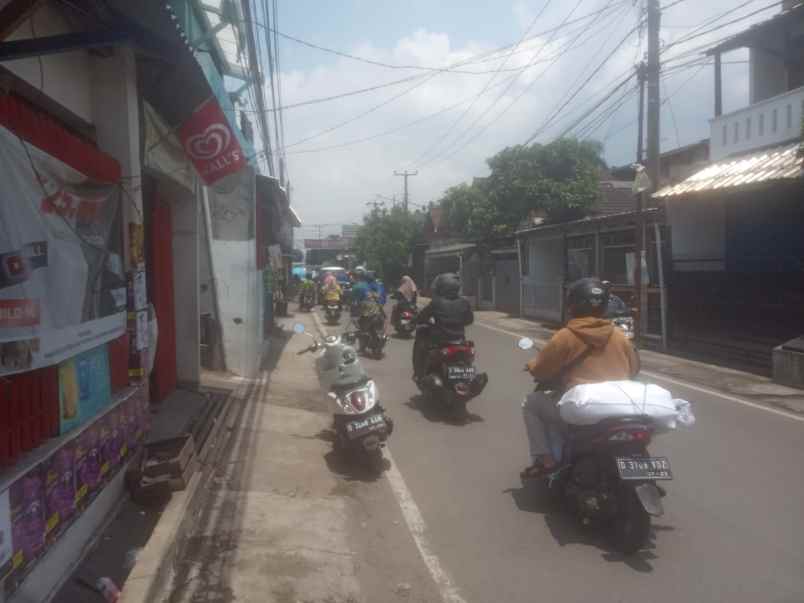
451, 377
607, 478
361, 426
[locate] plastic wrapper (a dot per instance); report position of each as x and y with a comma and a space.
590, 403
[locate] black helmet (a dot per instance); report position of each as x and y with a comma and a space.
587, 297
447, 285
371, 276
308, 276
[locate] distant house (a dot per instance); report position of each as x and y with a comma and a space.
737, 264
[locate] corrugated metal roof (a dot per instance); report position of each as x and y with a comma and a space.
450, 249
778, 163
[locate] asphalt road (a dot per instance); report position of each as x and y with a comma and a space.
733, 529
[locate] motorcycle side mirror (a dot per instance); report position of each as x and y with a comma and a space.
298, 328
526, 343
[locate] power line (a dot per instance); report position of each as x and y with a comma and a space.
563, 51
504, 92
591, 76
429, 68
697, 34
460, 118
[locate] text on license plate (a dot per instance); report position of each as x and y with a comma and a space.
460, 372
373, 423
657, 468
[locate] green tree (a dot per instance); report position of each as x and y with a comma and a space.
560, 178
386, 239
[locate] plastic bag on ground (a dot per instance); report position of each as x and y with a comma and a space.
590, 403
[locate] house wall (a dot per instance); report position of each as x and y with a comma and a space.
64, 77
767, 74
543, 283
698, 234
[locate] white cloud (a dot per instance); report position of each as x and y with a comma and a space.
334, 186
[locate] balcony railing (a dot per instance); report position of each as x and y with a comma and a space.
766, 123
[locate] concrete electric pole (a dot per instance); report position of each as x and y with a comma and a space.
649, 74
406, 174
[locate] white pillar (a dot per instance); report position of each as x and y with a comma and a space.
115, 114
186, 209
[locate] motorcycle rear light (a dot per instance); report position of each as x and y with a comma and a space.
357, 399
462, 389
454, 350
625, 435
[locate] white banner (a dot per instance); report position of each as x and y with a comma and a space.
62, 285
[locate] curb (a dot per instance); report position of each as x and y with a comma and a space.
151, 578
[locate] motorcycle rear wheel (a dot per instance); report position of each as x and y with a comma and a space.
631, 528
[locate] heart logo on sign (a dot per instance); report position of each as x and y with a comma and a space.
210, 143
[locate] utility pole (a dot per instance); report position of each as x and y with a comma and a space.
375, 205
651, 76
406, 174
641, 124
654, 95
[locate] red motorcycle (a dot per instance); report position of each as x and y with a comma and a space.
451, 377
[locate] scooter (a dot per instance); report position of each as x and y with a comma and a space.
450, 374
361, 425
607, 478
405, 322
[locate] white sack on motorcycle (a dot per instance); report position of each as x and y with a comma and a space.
590, 403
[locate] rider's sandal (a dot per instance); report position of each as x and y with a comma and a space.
536, 470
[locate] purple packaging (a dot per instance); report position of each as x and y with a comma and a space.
60, 497
26, 499
111, 443
87, 465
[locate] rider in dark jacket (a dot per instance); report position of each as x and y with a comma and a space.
445, 319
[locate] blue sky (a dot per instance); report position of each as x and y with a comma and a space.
450, 145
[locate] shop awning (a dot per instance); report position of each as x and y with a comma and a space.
770, 165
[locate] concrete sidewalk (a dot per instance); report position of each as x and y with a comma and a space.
747, 386
287, 520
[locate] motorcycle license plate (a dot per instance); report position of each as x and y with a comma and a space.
651, 468
405, 322
357, 429
460, 373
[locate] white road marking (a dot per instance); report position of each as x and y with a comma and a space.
414, 520
418, 529
698, 388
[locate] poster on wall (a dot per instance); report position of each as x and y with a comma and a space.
211, 144
62, 286
87, 465
26, 500
59, 472
6, 550
84, 387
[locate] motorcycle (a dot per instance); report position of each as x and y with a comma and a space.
307, 300
332, 311
607, 478
370, 335
450, 374
361, 426
620, 315
405, 320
